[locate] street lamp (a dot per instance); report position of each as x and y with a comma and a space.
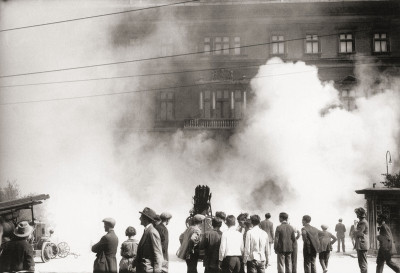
388, 162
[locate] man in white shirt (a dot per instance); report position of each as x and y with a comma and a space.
231, 248
256, 247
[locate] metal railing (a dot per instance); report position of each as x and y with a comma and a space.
210, 123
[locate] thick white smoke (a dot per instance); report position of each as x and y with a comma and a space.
297, 150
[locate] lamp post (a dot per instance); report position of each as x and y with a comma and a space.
388, 162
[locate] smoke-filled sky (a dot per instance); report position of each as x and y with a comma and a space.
297, 150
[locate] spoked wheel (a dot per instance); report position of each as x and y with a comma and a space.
64, 249
47, 252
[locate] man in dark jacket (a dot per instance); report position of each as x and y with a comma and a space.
106, 249
163, 231
283, 245
311, 245
17, 254
362, 240
386, 246
210, 244
149, 256
340, 234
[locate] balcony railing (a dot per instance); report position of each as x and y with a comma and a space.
210, 123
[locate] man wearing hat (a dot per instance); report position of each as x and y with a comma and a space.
362, 242
340, 234
106, 249
18, 253
386, 246
190, 239
149, 256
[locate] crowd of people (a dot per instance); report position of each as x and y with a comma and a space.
224, 247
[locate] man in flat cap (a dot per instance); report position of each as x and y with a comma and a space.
149, 256
362, 241
163, 231
190, 239
106, 249
386, 246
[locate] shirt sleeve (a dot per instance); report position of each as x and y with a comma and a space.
246, 248
222, 247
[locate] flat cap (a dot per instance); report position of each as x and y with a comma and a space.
110, 221
324, 227
198, 217
360, 212
165, 216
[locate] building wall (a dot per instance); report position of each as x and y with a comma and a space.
255, 22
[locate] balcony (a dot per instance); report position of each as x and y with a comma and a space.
225, 124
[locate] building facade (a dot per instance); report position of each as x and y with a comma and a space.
225, 42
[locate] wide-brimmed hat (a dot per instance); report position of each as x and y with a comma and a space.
23, 229
149, 213
110, 221
165, 216
360, 212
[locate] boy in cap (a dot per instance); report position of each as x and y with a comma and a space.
149, 256
362, 240
18, 253
106, 249
163, 231
326, 240
386, 246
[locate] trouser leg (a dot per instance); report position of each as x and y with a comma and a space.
362, 260
280, 262
288, 262
294, 259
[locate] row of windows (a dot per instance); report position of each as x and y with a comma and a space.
231, 45
224, 104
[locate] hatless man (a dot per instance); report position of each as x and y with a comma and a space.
386, 246
351, 233
211, 244
311, 245
340, 234
256, 247
17, 253
149, 257
231, 248
190, 239
268, 227
106, 249
362, 241
283, 244
222, 215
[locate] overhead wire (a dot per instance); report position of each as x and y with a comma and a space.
162, 57
97, 16
155, 89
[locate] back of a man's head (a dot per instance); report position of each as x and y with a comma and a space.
230, 220
216, 222
283, 216
255, 220
267, 215
307, 219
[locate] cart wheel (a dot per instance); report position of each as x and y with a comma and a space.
47, 252
64, 249
55, 250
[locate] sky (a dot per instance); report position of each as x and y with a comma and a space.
296, 151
